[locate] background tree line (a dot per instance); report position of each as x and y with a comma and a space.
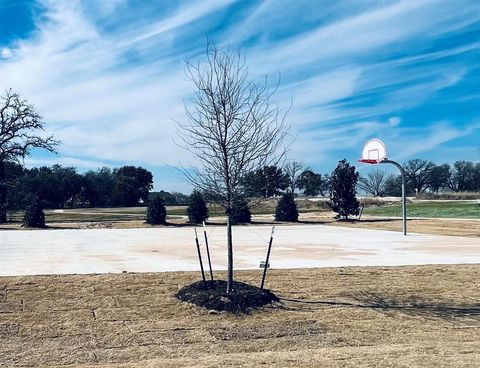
271, 181
63, 187
424, 176
421, 176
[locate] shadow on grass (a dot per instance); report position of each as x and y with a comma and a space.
393, 220
413, 305
253, 223
366, 221
416, 305
299, 222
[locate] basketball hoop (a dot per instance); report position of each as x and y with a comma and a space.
368, 161
374, 152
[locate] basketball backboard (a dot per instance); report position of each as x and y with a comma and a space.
374, 152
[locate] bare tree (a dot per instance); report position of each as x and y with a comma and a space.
417, 172
293, 170
232, 128
374, 183
20, 127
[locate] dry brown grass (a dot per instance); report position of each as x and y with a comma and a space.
438, 226
132, 320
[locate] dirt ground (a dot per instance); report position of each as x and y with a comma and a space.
437, 226
427, 316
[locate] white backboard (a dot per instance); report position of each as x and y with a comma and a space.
374, 151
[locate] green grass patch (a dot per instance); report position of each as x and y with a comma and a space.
454, 209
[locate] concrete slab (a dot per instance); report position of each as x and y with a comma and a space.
173, 249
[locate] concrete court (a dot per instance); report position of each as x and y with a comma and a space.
28, 252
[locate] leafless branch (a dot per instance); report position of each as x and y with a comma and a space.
374, 182
232, 126
293, 170
19, 127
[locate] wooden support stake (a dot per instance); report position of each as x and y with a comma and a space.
268, 257
208, 251
200, 257
361, 211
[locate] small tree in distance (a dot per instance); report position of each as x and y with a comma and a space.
292, 171
343, 198
34, 216
156, 212
310, 182
286, 209
197, 210
438, 177
265, 182
417, 172
374, 183
241, 213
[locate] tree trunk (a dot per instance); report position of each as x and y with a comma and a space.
3, 194
230, 253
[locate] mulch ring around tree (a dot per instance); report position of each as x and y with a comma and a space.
213, 295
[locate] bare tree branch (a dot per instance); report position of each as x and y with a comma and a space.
293, 170
374, 183
232, 126
20, 127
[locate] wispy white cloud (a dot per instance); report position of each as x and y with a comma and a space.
5, 52
394, 121
358, 36
65, 161
188, 13
111, 95
343, 57
419, 140
95, 107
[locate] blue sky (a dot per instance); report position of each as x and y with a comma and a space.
108, 76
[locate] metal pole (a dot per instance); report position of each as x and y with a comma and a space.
200, 257
361, 211
208, 251
268, 257
404, 195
